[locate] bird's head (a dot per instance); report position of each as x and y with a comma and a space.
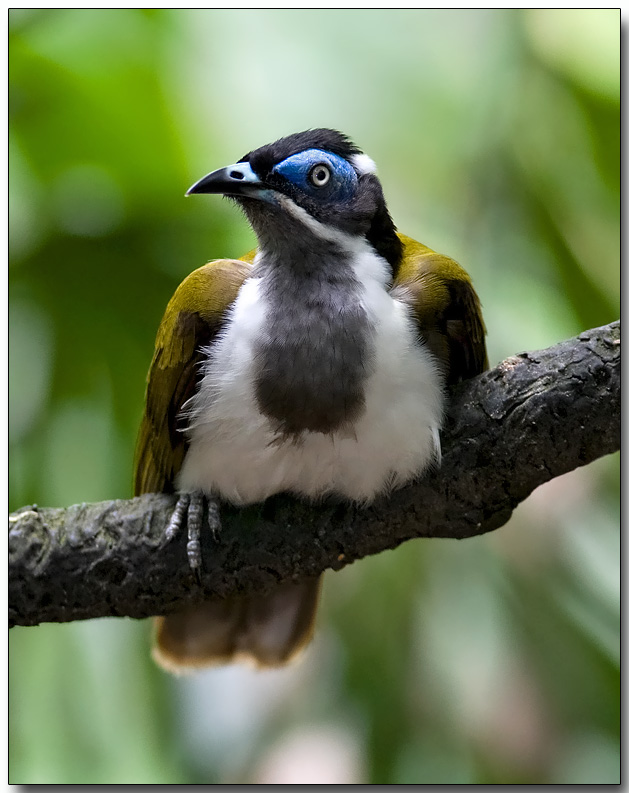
308, 187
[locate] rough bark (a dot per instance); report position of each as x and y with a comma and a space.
533, 417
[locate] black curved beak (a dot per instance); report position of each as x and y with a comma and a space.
235, 180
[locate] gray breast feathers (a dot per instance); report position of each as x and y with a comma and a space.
315, 351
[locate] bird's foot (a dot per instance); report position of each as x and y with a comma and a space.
189, 509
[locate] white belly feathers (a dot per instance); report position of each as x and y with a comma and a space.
234, 452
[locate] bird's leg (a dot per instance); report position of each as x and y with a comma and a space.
214, 518
176, 519
190, 508
195, 521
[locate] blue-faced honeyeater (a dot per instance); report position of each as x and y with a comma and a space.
317, 364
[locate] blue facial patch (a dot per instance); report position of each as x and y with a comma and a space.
301, 170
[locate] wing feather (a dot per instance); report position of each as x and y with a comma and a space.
192, 319
445, 307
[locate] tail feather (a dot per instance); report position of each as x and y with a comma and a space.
268, 630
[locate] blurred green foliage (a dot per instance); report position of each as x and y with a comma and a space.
498, 140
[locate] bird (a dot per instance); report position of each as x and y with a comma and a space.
317, 364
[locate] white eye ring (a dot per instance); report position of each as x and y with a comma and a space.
319, 175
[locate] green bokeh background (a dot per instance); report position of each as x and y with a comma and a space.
497, 136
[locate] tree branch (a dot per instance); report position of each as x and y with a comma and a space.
533, 417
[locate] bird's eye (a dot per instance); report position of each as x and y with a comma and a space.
319, 175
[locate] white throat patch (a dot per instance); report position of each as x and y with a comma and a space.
345, 241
